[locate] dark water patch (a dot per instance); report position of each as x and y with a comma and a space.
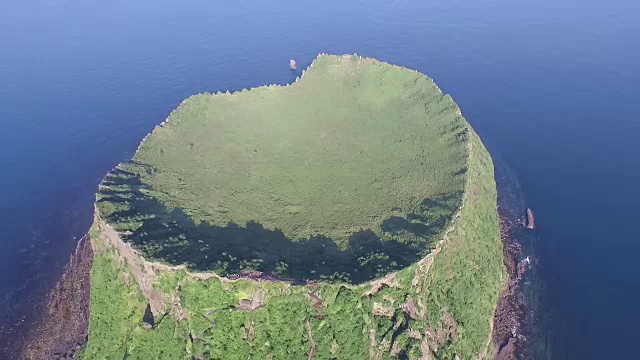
147, 318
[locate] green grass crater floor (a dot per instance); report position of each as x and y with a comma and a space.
349, 173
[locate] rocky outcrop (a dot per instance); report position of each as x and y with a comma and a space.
531, 221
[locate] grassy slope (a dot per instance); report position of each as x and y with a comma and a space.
463, 281
468, 274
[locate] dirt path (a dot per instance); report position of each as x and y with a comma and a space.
313, 343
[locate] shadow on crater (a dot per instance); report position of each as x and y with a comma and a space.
171, 236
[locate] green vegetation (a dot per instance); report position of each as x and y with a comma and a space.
441, 305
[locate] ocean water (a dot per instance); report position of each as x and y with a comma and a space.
552, 84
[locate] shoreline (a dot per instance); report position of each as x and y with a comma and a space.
520, 328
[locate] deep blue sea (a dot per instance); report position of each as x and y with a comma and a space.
553, 84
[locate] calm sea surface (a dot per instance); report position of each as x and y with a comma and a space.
554, 84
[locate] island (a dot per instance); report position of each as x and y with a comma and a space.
351, 214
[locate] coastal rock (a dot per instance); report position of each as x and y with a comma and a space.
531, 221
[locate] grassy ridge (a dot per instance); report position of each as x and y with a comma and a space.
467, 275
